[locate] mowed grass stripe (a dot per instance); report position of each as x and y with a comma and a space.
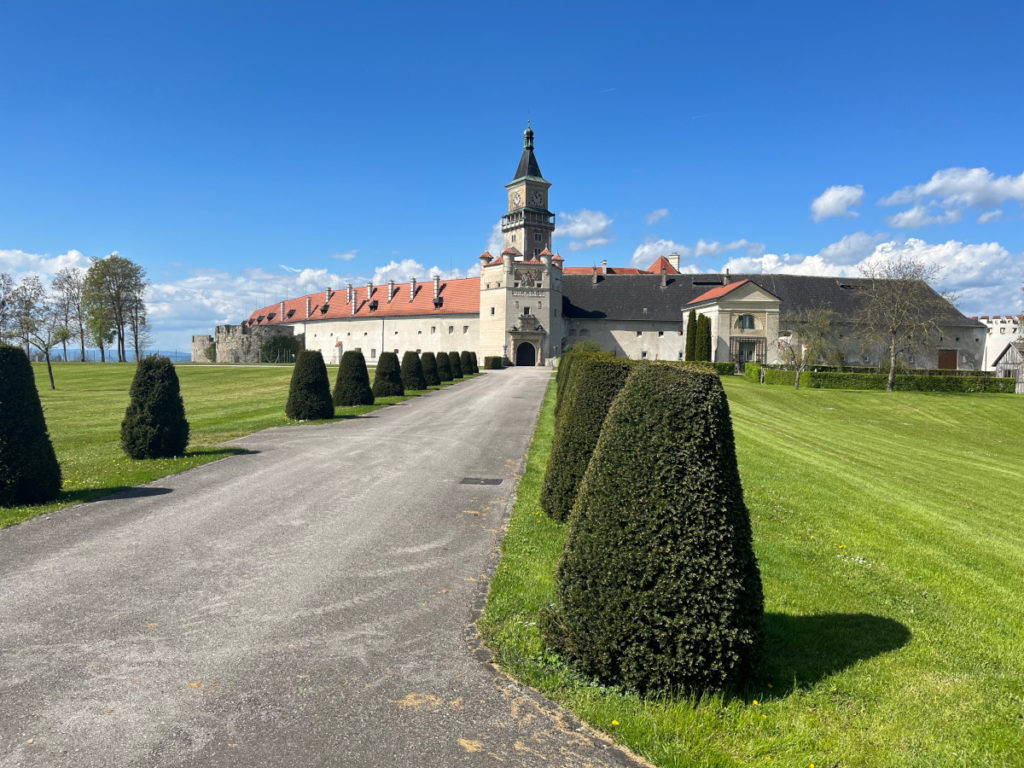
889, 536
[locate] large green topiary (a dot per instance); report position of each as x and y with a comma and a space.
387, 380
309, 396
444, 368
691, 336
466, 362
352, 386
29, 472
456, 365
658, 588
429, 362
154, 425
591, 386
703, 342
476, 362
412, 372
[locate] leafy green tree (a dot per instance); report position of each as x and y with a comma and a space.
658, 588
154, 425
29, 472
309, 394
115, 287
387, 380
412, 372
352, 387
279, 349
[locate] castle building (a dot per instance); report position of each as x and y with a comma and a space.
527, 307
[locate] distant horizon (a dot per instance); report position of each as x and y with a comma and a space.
247, 154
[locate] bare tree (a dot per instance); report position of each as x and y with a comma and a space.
38, 321
6, 294
805, 337
899, 309
69, 287
138, 324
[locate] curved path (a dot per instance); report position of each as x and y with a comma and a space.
304, 604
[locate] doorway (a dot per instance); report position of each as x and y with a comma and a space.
526, 354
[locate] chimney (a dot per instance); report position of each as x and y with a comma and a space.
673, 259
327, 295
664, 276
391, 290
604, 266
369, 290
309, 306
281, 316
348, 294
594, 278
726, 281
437, 286
412, 289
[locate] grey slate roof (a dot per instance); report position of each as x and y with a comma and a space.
527, 166
641, 297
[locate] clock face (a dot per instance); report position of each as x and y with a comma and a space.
517, 199
537, 198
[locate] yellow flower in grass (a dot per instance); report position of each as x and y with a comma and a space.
615, 722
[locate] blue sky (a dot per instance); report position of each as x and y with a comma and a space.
248, 152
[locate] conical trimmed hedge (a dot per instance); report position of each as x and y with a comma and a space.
444, 368
29, 472
691, 336
476, 363
456, 365
592, 385
154, 425
703, 341
658, 588
466, 363
352, 386
387, 380
309, 396
412, 371
429, 363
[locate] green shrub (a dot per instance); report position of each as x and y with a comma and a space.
752, 372
352, 385
593, 383
387, 380
444, 367
466, 363
279, 349
29, 472
691, 336
476, 362
658, 588
429, 363
412, 372
493, 363
154, 425
703, 342
309, 394
722, 369
787, 377
455, 364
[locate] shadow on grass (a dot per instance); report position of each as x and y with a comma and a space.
800, 651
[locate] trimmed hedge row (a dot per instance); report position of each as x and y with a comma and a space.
876, 381
492, 363
722, 369
591, 386
658, 588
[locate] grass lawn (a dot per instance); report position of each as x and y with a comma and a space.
890, 534
84, 418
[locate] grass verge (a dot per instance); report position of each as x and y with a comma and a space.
222, 403
892, 553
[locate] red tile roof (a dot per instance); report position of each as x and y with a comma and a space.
717, 292
661, 261
459, 297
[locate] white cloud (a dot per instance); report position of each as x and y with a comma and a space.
836, 201
957, 187
401, 271
496, 242
646, 254
851, 249
585, 229
346, 256
19, 264
920, 216
995, 215
654, 217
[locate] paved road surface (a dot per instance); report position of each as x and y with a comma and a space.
304, 604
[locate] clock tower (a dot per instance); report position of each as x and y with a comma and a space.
528, 225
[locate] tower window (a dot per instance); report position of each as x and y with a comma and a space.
513, 237
536, 236
492, 310
536, 251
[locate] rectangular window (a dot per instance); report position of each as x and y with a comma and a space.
433, 329
643, 355
526, 310
451, 329
536, 236
661, 333
465, 329
492, 310
639, 333
373, 353
513, 237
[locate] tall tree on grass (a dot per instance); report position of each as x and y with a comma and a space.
805, 336
69, 287
900, 312
29, 472
115, 288
691, 336
154, 425
412, 372
352, 387
37, 320
309, 394
387, 379
658, 589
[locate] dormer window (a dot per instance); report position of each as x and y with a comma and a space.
746, 322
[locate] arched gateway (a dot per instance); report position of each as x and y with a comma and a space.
526, 354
